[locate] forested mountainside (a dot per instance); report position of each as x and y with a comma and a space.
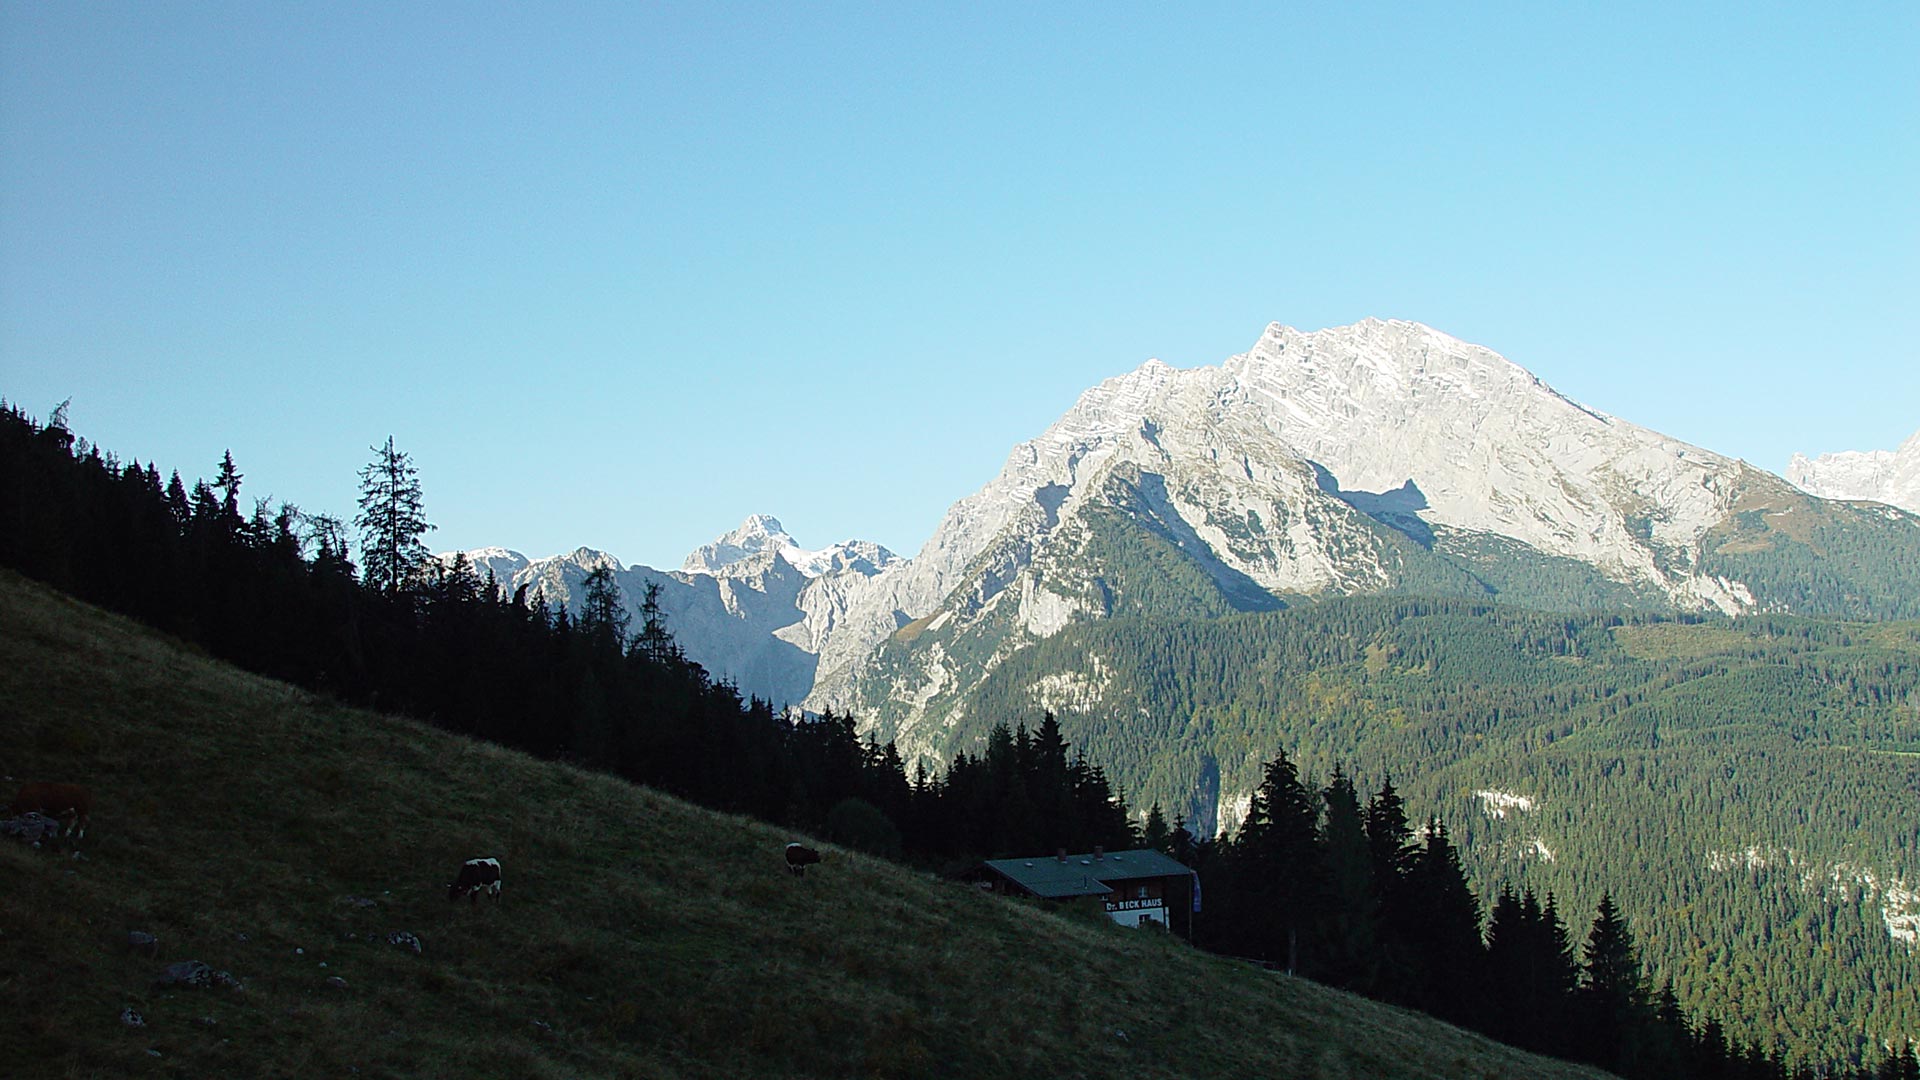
1746, 787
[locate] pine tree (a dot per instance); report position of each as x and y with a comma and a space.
391, 520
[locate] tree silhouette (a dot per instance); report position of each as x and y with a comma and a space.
391, 520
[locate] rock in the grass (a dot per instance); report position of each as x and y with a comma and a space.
141, 941
336, 982
361, 902
405, 940
131, 1017
195, 973
205, 1021
186, 973
544, 1029
32, 827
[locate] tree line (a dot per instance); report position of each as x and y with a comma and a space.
358, 610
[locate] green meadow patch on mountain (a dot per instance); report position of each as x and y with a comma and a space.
1745, 787
282, 838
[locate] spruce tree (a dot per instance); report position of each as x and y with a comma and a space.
1611, 992
1279, 868
603, 616
1446, 939
1347, 929
391, 520
227, 483
1154, 833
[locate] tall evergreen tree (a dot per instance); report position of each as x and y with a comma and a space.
391, 521
1154, 832
227, 483
1446, 940
1347, 929
1279, 872
603, 615
1611, 991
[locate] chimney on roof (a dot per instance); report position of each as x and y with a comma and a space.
1099, 852
1060, 854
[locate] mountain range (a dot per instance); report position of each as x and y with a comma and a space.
1380, 457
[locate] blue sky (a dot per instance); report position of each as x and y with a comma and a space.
620, 275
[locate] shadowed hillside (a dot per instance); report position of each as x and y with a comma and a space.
247, 823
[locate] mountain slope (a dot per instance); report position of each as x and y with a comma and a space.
1744, 788
243, 821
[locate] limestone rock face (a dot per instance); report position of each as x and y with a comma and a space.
1887, 476
1302, 467
1377, 456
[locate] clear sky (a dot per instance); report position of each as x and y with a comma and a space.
619, 275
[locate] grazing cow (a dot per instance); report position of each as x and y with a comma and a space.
799, 857
70, 804
476, 875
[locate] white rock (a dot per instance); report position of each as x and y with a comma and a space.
1888, 476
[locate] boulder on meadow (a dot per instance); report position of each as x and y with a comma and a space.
196, 973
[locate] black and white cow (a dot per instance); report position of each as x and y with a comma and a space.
799, 857
476, 876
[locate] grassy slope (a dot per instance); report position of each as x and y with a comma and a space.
656, 938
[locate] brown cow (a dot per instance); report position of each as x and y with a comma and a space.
70, 804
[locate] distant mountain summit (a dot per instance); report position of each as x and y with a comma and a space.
1888, 476
763, 534
753, 607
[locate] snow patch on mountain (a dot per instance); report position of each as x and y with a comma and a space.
1887, 476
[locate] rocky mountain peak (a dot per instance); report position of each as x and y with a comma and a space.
1888, 476
763, 535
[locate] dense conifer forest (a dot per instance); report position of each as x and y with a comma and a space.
1316, 879
1745, 788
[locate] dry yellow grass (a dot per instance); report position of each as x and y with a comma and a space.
653, 939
